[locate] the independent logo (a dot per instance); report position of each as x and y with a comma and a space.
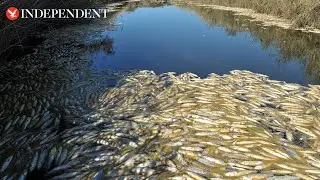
12, 13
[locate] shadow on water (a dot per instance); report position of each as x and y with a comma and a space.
104, 44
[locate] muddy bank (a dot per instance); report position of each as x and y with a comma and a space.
267, 19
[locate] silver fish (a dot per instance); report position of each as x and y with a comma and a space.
6, 163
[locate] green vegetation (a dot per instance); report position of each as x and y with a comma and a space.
304, 13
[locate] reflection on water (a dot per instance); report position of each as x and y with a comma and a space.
203, 40
103, 47
292, 45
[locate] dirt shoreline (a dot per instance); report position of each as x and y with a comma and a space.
266, 19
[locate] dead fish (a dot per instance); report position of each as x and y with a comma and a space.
275, 153
242, 149
180, 159
189, 148
195, 176
312, 171
278, 171
213, 160
52, 155
63, 156
58, 154
34, 161
6, 163
196, 170
26, 123
238, 173
59, 168
284, 166
206, 162
188, 153
21, 108
23, 175
173, 144
66, 175
251, 163
42, 158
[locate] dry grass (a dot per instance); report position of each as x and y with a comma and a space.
304, 13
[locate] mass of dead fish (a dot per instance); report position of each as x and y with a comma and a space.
236, 126
44, 96
58, 122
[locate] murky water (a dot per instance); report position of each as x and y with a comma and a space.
202, 41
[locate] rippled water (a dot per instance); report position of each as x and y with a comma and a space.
201, 40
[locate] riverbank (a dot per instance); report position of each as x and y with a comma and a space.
305, 19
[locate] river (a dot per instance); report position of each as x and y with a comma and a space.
203, 40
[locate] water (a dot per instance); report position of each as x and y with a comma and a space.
203, 41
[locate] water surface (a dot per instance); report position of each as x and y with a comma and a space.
203, 41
